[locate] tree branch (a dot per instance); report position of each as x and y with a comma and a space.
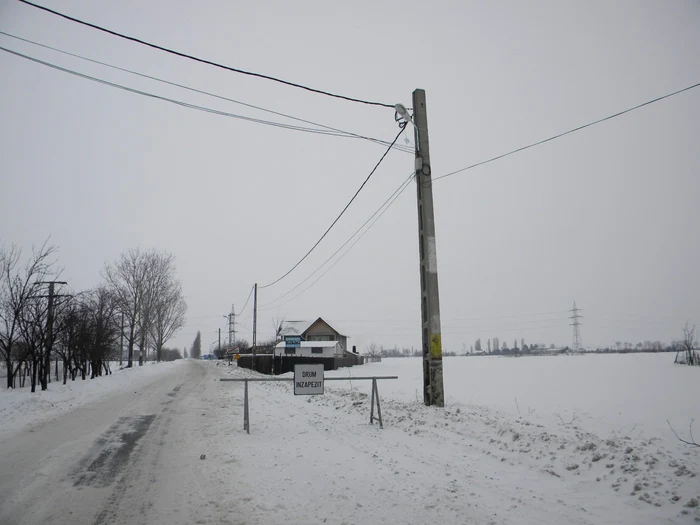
692, 440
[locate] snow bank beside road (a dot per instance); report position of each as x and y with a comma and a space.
20, 408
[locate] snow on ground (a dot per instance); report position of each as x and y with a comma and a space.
20, 408
477, 460
586, 443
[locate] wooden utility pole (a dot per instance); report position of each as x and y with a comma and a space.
49, 335
121, 342
255, 321
46, 365
433, 387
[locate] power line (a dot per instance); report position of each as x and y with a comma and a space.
579, 128
397, 190
221, 97
341, 213
508, 316
458, 320
475, 331
246, 301
405, 185
174, 101
204, 61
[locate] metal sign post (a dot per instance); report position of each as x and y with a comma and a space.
246, 419
379, 409
375, 391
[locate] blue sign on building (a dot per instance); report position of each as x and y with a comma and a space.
292, 341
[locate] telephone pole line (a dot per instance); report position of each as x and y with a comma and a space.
50, 314
255, 321
121, 342
433, 387
576, 324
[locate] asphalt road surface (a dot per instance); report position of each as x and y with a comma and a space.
130, 458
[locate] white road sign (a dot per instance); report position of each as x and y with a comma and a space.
308, 380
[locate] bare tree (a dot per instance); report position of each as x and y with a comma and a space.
100, 311
33, 323
690, 441
279, 328
168, 314
17, 287
162, 310
688, 345
372, 350
127, 279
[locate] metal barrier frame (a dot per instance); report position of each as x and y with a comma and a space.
246, 406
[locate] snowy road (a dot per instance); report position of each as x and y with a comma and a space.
129, 458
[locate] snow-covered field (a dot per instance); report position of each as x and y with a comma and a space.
586, 443
614, 394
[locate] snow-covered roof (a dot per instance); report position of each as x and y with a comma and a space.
295, 327
299, 327
312, 344
335, 326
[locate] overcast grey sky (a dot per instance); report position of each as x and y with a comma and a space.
607, 216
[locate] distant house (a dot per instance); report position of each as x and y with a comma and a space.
318, 330
327, 349
321, 343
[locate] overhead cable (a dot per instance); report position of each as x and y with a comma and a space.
579, 128
339, 215
397, 190
246, 301
205, 61
174, 101
396, 196
214, 95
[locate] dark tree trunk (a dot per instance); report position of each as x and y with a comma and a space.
43, 373
34, 371
10, 370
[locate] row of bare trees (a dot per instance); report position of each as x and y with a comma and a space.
150, 298
140, 304
26, 321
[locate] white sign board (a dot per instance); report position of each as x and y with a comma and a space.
308, 380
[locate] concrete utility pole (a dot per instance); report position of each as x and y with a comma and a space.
255, 321
219, 343
433, 387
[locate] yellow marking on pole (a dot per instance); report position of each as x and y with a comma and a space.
435, 346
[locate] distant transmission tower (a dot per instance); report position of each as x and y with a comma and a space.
232, 328
576, 324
